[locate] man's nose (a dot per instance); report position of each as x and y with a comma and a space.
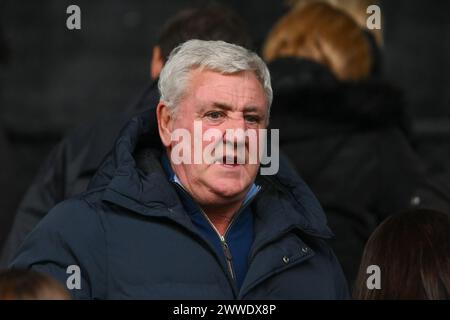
237, 127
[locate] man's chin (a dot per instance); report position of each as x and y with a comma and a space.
228, 190
227, 183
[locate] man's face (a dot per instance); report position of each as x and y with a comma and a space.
216, 101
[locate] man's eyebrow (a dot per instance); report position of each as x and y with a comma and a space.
221, 105
225, 106
252, 109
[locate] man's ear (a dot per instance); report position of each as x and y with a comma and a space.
165, 123
157, 62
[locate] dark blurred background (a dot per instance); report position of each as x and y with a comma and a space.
417, 59
57, 79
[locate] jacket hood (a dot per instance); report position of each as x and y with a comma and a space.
307, 90
132, 177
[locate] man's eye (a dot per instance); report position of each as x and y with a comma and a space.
252, 119
214, 115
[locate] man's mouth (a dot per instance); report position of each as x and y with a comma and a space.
229, 162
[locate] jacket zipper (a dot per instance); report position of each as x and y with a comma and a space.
225, 247
223, 241
228, 257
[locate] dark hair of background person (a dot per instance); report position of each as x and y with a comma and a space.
325, 34
412, 250
16, 284
196, 23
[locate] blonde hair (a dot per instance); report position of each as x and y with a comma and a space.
324, 34
357, 9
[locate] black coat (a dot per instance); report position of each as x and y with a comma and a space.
349, 143
132, 238
69, 167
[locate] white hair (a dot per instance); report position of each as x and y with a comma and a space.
219, 56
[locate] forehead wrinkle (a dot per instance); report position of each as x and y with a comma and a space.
239, 94
227, 99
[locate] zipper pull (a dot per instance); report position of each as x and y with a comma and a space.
228, 256
227, 251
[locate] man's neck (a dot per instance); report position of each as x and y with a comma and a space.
221, 217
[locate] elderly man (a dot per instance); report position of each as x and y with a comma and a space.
154, 228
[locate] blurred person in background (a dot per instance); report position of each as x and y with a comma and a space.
412, 251
343, 126
72, 163
17, 284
